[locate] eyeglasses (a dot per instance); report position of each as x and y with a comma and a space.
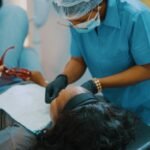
14, 72
2, 58
4, 54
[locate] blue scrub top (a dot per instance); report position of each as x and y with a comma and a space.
120, 42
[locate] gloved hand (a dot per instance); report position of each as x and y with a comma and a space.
90, 86
53, 88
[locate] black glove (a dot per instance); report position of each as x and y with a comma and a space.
90, 86
53, 88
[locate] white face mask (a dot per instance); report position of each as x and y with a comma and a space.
89, 25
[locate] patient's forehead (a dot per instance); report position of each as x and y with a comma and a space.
64, 96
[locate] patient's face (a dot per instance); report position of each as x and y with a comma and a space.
64, 96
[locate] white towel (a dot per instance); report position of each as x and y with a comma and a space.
25, 104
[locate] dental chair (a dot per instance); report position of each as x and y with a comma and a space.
142, 131
142, 138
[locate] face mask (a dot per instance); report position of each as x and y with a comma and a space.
88, 25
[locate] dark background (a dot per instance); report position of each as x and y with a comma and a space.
1, 2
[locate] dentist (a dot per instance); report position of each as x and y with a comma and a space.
112, 39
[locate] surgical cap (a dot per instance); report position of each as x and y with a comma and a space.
74, 9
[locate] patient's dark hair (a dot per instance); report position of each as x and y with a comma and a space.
1, 3
96, 126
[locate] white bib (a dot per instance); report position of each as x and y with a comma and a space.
25, 104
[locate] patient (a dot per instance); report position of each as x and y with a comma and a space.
82, 121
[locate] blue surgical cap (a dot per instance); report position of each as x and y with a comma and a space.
74, 9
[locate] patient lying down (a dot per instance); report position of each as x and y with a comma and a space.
83, 121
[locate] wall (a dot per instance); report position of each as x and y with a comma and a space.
52, 40
54, 46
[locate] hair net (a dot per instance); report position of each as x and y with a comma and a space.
73, 9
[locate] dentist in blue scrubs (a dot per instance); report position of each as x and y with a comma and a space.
112, 39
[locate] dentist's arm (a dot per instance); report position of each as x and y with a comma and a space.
1, 69
128, 77
73, 70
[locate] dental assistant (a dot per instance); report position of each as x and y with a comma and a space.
112, 39
13, 32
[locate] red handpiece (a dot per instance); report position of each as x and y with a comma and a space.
2, 60
19, 72
14, 72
